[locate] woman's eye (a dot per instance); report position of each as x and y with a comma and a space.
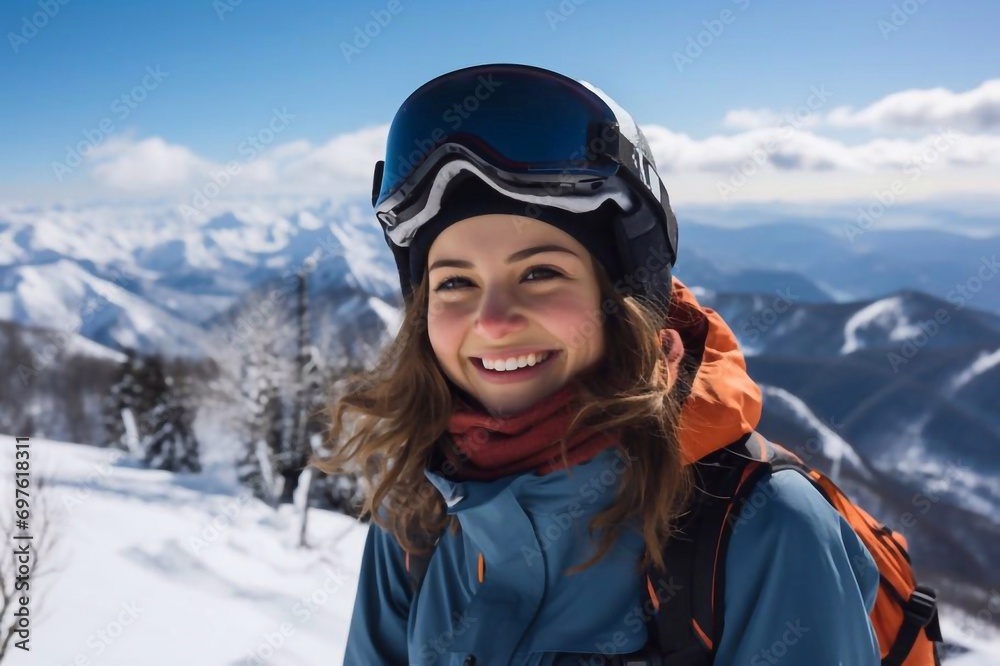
543, 269
443, 286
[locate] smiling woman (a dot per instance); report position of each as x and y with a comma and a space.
533, 435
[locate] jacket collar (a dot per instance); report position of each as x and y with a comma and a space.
724, 403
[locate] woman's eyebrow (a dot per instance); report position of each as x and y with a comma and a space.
517, 256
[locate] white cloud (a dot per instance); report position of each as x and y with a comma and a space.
787, 149
343, 165
976, 110
147, 166
786, 154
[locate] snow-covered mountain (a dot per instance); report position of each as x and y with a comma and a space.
825, 442
149, 278
850, 265
779, 323
64, 295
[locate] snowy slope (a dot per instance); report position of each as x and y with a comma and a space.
62, 295
981, 365
978, 642
832, 445
204, 575
887, 316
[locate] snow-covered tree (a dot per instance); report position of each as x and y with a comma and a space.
124, 396
165, 421
149, 413
263, 419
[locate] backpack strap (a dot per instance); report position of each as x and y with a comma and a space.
919, 612
689, 618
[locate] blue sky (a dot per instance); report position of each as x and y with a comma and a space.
228, 65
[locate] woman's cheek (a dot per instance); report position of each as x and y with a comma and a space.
444, 329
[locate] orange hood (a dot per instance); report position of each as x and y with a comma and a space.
724, 402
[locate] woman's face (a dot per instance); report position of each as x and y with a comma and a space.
501, 288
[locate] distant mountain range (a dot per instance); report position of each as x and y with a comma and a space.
849, 265
150, 279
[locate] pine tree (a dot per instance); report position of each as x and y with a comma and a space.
263, 421
334, 492
124, 395
167, 418
295, 454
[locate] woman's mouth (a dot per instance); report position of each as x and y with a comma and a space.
503, 376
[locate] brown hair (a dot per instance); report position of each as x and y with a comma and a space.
404, 402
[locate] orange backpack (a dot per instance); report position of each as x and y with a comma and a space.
905, 613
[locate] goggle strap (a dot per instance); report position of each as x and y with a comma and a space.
377, 180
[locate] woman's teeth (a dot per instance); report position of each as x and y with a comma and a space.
515, 363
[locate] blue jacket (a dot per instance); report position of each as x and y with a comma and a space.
799, 582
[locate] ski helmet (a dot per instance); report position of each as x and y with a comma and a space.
559, 148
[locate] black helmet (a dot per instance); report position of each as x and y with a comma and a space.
554, 145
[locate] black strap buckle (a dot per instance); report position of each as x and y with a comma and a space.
921, 606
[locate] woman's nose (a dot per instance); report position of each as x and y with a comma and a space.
499, 314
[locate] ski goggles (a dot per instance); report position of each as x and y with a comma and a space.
532, 134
